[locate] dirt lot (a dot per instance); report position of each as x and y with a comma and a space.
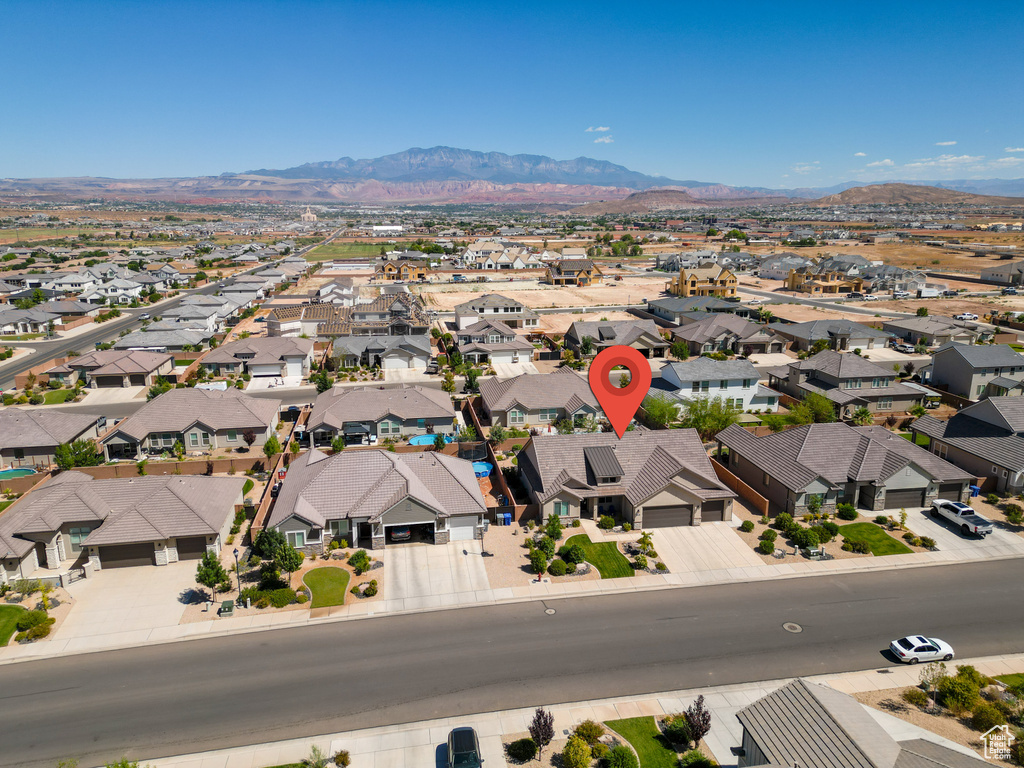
560, 323
533, 293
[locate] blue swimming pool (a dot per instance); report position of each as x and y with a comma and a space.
482, 468
426, 440
7, 474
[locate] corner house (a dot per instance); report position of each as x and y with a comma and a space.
362, 496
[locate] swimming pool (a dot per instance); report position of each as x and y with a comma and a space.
7, 474
426, 440
482, 468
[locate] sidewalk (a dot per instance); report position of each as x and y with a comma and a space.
417, 744
498, 596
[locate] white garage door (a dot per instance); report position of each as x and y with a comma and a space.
502, 357
265, 370
294, 367
395, 361
462, 527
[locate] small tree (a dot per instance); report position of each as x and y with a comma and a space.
288, 559
471, 380
931, 675
322, 381
708, 416
268, 541
646, 542
249, 436
210, 573
586, 346
861, 417
272, 446
922, 311
680, 350
554, 527
338, 444
699, 719
294, 447
448, 385
439, 442
498, 433
467, 434
660, 410
542, 728
576, 753
178, 449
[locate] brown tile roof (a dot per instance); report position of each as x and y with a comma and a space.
179, 409
538, 390
32, 428
337, 406
115, 361
270, 349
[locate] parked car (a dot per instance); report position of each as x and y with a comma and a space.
144, 316
914, 648
962, 516
948, 293
431, 367
755, 302
855, 295
401, 533
275, 489
464, 749
870, 297
965, 316
1009, 291
907, 349
901, 294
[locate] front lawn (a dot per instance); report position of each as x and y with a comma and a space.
879, 542
1017, 678
327, 585
605, 556
58, 396
642, 732
8, 620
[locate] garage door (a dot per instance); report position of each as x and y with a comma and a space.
191, 548
949, 491
462, 528
109, 381
137, 379
395, 361
909, 497
712, 511
667, 517
126, 555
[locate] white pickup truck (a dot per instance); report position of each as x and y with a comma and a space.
963, 516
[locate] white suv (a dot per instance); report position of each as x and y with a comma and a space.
965, 316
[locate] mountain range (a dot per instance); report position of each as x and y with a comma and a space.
441, 175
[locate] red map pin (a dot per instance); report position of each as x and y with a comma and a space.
620, 403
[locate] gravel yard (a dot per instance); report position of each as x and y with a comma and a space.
533, 293
510, 564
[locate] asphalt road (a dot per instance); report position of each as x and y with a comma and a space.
221, 692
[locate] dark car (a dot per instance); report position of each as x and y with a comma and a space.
401, 533
275, 489
1009, 291
854, 295
464, 749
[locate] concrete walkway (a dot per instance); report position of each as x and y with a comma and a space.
421, 744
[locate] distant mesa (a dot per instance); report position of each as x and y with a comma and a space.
911, 194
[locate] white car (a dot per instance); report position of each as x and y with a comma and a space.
965, 316
914, 648
870, 297
754, 302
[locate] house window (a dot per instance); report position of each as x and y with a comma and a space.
705, 386
981, 389
494, 339
885, 404
516, 417
547, 414
232, 435
77, 536
421, 423
723, 384
389, 428
696, 386
853, 384
994, 470
562, 508
296, 538
337, 527
205, 438
748, 383
168, 439
193, 439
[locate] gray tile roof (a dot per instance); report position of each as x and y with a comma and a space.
356, 345
705, 368
1008, 411
827, 329
562, 389
837, 453
711, 325
843, 365
179, 409
487, 300
978, 438
339, 405
134, 510
155, 339
605, 332
982, 355
114, 362
695, 303
36, 428
650, 461
356, 484
263, 350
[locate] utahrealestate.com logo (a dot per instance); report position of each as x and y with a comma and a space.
998, 741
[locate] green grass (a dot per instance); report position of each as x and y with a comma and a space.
879, 542
328, 586
605, 556
921, 440
249, 485
58, 396
337, 250
1017, 678
652, 748
5, 504
1017, 347
8, 618
23, 337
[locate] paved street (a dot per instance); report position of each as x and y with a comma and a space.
333, 677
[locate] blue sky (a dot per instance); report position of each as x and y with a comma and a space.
768, 94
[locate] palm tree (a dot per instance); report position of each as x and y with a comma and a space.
861, 417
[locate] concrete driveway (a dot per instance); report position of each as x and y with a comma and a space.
508, 370
407, 375
108, 395
997, 543
436, 571
706, 547
127, 600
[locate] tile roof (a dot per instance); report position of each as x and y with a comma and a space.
355, 484
1009, 411
692, 303
713, 324
827, 329
704, 369
356, 345
178, 409
605, 332
842, 365
115, 361
982, 355
34, 428
157, 339
268, 349
649, 462
538, 390
978, 438
339, 405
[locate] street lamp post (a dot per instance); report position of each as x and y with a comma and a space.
238, 574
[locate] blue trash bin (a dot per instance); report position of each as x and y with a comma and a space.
975, 491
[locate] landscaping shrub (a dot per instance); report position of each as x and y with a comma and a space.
881, 520
766, 547
806, 538
371, 589
957, 694
576, 523
986, 716
547, 546
1014, 514
652, 554
846, 512
831, 528
972, 675
641, 562
557, 568
538, 561
696, 759
860, 547
992, 498
360, 561
627, 527
589, 731
909, 536
606, 523
661, 566
554, 528
677, 730
576, 753
342, 759
599, 751
783, 521
768, 535
621, 757
572, 554
915, 696
747, 526
522, 750
301, 598
30, 619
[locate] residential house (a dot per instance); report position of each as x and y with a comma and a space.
492, 306
935, 330
719, 332
491, 341
198, 316
675, 308
202, 420
778, 265
966, 370
116, 291
734, 381
381, 351
1005, 273
840, 334
849, 381
19, 321
675, 261
75, 519
507, 258
406, 271
713, 280
267, 356
72, 282
538, 399
29, 436
642, 335
814, 726
69, 309
986, 439
363, 496
388, 315
869, 467
160, 340
578, 272
650, 479
365, 416
340, 291
815, 281
113, 368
